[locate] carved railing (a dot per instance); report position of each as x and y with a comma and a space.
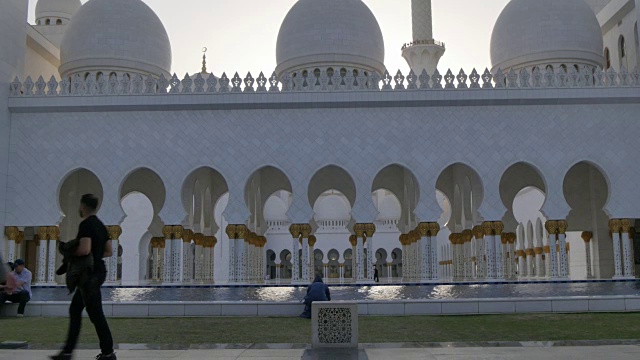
423, 42
136, 84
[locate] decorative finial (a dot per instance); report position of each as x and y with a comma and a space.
204, 60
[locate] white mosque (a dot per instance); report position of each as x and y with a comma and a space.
331, 163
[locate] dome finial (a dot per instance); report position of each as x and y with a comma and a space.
204, 60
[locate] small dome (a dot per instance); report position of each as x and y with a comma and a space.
332, 207
63, 9
536, 33
275, 209
115, 35
330, 33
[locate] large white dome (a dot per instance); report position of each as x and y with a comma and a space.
115, 35
57, 8
330, 33
536, 33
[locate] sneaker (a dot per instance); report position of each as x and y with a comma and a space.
61, 356
20, 315
106, 357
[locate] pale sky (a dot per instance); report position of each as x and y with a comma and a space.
241, 35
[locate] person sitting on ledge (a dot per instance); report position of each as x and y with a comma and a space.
20, 291
317, 291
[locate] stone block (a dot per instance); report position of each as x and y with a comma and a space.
202, 310
533, 306
280, 309
166, 310
496, 307
423, 308
334, 324
239, 309
573, 305
386, 308
461, 307
607, 305
130, 310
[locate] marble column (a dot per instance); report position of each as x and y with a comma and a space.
296, 232
353, 240
627, 249
240, 248
540, 268
11, 233
552, 229
114, 238
490, 248
41, 265
425, 252
306, 231
187, 257
467, 236
498, 227
478, 232
615, 226
370, 230
54, 237
359, 230
404, 241
341, 269
177, 254
456, 269
232, 234
563, 269
434, 229
587, 236
531, 258
312, 261
199, 263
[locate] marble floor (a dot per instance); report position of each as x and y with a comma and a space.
618, 352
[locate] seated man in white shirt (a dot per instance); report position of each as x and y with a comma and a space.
21, 293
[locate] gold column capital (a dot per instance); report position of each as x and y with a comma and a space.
43, 231
359, 230
467, 235
187, 235
478, 232
177, 231
370, 229
114, 232
230, 231
353, 240
434, 228
625, 224
242, 231
423, 228
552, 227
498, 227
403, 239
167, 231
587, 236
615, 225
295, 230
487, 226
54, 233
199, 238
312, 240
538, 250
305, 229
547, 249
11, 232
20, 237
562, 227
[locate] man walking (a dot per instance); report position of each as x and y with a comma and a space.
94, 241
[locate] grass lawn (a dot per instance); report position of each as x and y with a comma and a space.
186, 331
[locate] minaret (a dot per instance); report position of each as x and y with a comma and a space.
423, 52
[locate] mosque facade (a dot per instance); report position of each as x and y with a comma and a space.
331, 163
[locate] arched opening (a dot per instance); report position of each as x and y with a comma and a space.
402, 183
286, 267
47, 22
263, 185
622, 51
348, 264
142, 197
381, 264
318, 264
271, 264
396, 263
334, 264
59, 22
586, 190
607, 58
463, 188
74, 185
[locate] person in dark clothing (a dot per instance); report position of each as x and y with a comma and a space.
317, 291
375, 274
94, 241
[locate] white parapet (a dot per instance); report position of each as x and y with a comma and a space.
334, 324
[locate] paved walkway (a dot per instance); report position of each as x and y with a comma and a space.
620, 352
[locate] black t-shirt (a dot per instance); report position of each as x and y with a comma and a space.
93, 228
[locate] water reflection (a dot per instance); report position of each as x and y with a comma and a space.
377, 293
